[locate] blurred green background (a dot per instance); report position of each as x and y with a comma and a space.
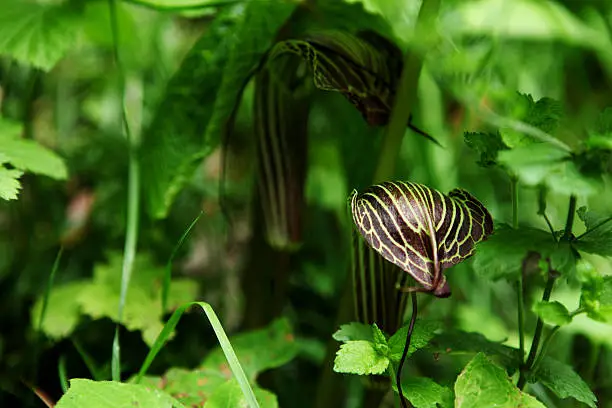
60, 84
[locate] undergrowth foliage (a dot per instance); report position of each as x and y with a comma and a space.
306, 101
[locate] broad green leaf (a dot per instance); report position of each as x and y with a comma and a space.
596, 297
502, 255
544, 114
484, 384
553, 313
201, 97
564, 382
191, 388
9, 183
28, 155
258, 350
460, 342
526, 19
424, 331
542, 163
229, 394
99, 298
62, 313
354, 331
600, 135
423, 392
37, 33
407, 223
360, 357
598, 237
110, 394
487, 145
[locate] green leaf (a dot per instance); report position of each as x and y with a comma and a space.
484, 384
423, 392
543, 163
191, 388
423, 332
598, 237
110, 394
354, 331
258, 350
553, 313
63, 313
526, 19
9, 183
201, 97
229, 394
502, 254
28, 155
596, 297
407, 223
99, 298
487, 145
360, 357
460, 342
564, 382
600, 135
37, 33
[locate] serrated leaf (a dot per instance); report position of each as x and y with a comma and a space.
423, 392
596, 293
484, 384
564, 382
37, 33
191, 388
9, 183
202, 95
62, 313
110, 394
487, 145
28, 155
422, 333
360, 357
460, 342
553, 313
354, 331
598, 237
501, 255
230, 394
258, 350
543, 163
99, 297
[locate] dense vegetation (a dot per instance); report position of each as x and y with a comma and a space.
175, 170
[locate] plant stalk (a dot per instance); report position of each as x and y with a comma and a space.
519, 284
569, 224
133, 197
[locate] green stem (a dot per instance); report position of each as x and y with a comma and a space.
538, 334
187, 7
405, 97
133, 198
519, 285
599, 225
545, 344
571, 212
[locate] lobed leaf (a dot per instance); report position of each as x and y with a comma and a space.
9, 183
360, 357
229, 394
106, 394
487, 145
598, 237
419, 229
596, 293
484, 384
564, 382
37, 33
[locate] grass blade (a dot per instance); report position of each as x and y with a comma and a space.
226, 346
61, 372
168, 274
